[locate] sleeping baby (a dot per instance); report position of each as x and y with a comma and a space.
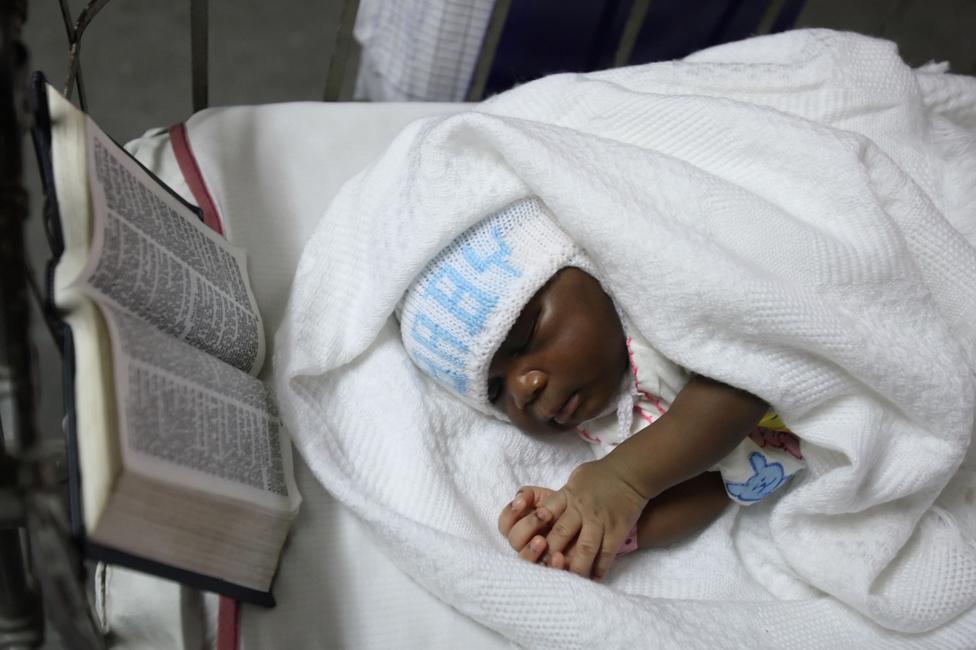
511, 318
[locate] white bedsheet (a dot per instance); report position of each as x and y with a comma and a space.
335, 587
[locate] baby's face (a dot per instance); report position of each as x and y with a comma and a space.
564, 358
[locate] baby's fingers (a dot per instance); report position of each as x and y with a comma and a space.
527, 527
555, 502
559, 560
586, 549
603, 563
525, 500
510, 514
612, 550
564, 531
534, 549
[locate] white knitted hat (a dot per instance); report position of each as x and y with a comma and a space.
458, 311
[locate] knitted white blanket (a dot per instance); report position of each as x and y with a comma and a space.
783, 214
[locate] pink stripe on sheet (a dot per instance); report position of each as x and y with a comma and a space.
228, 624
229, 612
194, 178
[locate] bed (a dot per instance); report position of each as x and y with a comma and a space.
336, 587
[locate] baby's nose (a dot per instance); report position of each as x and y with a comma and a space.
527, 386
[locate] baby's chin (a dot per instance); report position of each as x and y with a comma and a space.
612, 404
536, 427
608, 408
552, 426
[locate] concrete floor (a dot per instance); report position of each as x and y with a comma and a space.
136, 61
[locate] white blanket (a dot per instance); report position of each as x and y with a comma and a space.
783, 214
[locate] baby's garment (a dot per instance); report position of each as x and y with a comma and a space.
767, 459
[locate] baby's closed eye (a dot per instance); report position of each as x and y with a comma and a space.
495, 385
520, 337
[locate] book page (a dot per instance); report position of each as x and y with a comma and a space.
99, 455
71, 196
189, 419
153, 259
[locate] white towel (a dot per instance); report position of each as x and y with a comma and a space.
777, 214
419, 50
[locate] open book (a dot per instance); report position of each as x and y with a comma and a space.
177, 460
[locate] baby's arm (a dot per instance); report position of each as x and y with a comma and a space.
682, 511
603, 499
704, 424
672, 516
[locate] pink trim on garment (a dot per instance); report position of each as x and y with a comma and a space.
650, 397
777, 440
585, 435
638, 410
643, 415
654, 401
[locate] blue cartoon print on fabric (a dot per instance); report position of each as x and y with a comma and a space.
764, 481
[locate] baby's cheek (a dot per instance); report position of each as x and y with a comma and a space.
519, 418
527, 424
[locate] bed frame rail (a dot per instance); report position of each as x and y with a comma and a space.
41, 573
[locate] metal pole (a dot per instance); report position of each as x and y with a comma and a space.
199, 49
340, 51
21, 622
632, 28
493, 34
773, 10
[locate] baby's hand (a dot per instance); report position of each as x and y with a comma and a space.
593, 512
525, 530
521, 525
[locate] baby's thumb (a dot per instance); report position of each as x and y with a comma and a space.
526, 500
530, 496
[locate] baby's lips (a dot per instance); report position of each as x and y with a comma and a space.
568, 409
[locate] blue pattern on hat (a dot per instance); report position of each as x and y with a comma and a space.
459, 308
500, 257
466, 302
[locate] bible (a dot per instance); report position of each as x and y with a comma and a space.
178, 463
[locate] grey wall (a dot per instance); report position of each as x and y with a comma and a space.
925, 30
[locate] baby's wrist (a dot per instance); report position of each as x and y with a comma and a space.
637, 475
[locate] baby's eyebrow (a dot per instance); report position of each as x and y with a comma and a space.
522, 328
